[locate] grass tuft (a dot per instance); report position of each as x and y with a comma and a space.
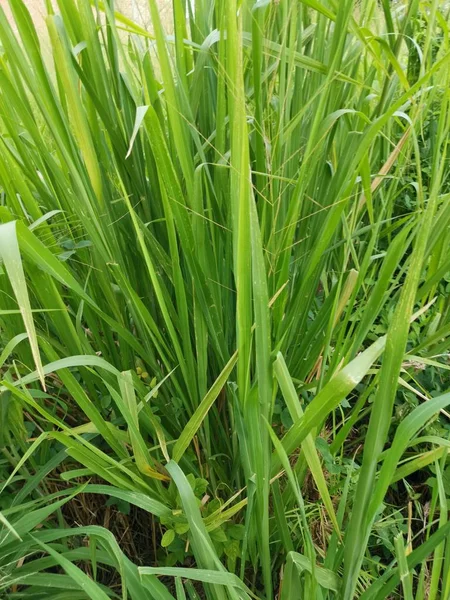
224, 301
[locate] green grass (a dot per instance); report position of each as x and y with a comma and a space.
224, 304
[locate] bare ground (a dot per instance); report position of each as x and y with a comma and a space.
133, 9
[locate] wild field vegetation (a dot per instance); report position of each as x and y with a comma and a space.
224, 307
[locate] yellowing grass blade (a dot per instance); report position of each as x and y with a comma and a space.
308, 445
128, 408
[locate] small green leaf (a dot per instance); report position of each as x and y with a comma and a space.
167, 538
181, 528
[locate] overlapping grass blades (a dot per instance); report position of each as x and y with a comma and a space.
220, 252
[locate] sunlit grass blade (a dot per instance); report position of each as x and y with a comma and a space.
10, 256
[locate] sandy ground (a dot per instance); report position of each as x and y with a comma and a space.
138, 11
134, 9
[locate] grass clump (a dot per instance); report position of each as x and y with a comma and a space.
224, 301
